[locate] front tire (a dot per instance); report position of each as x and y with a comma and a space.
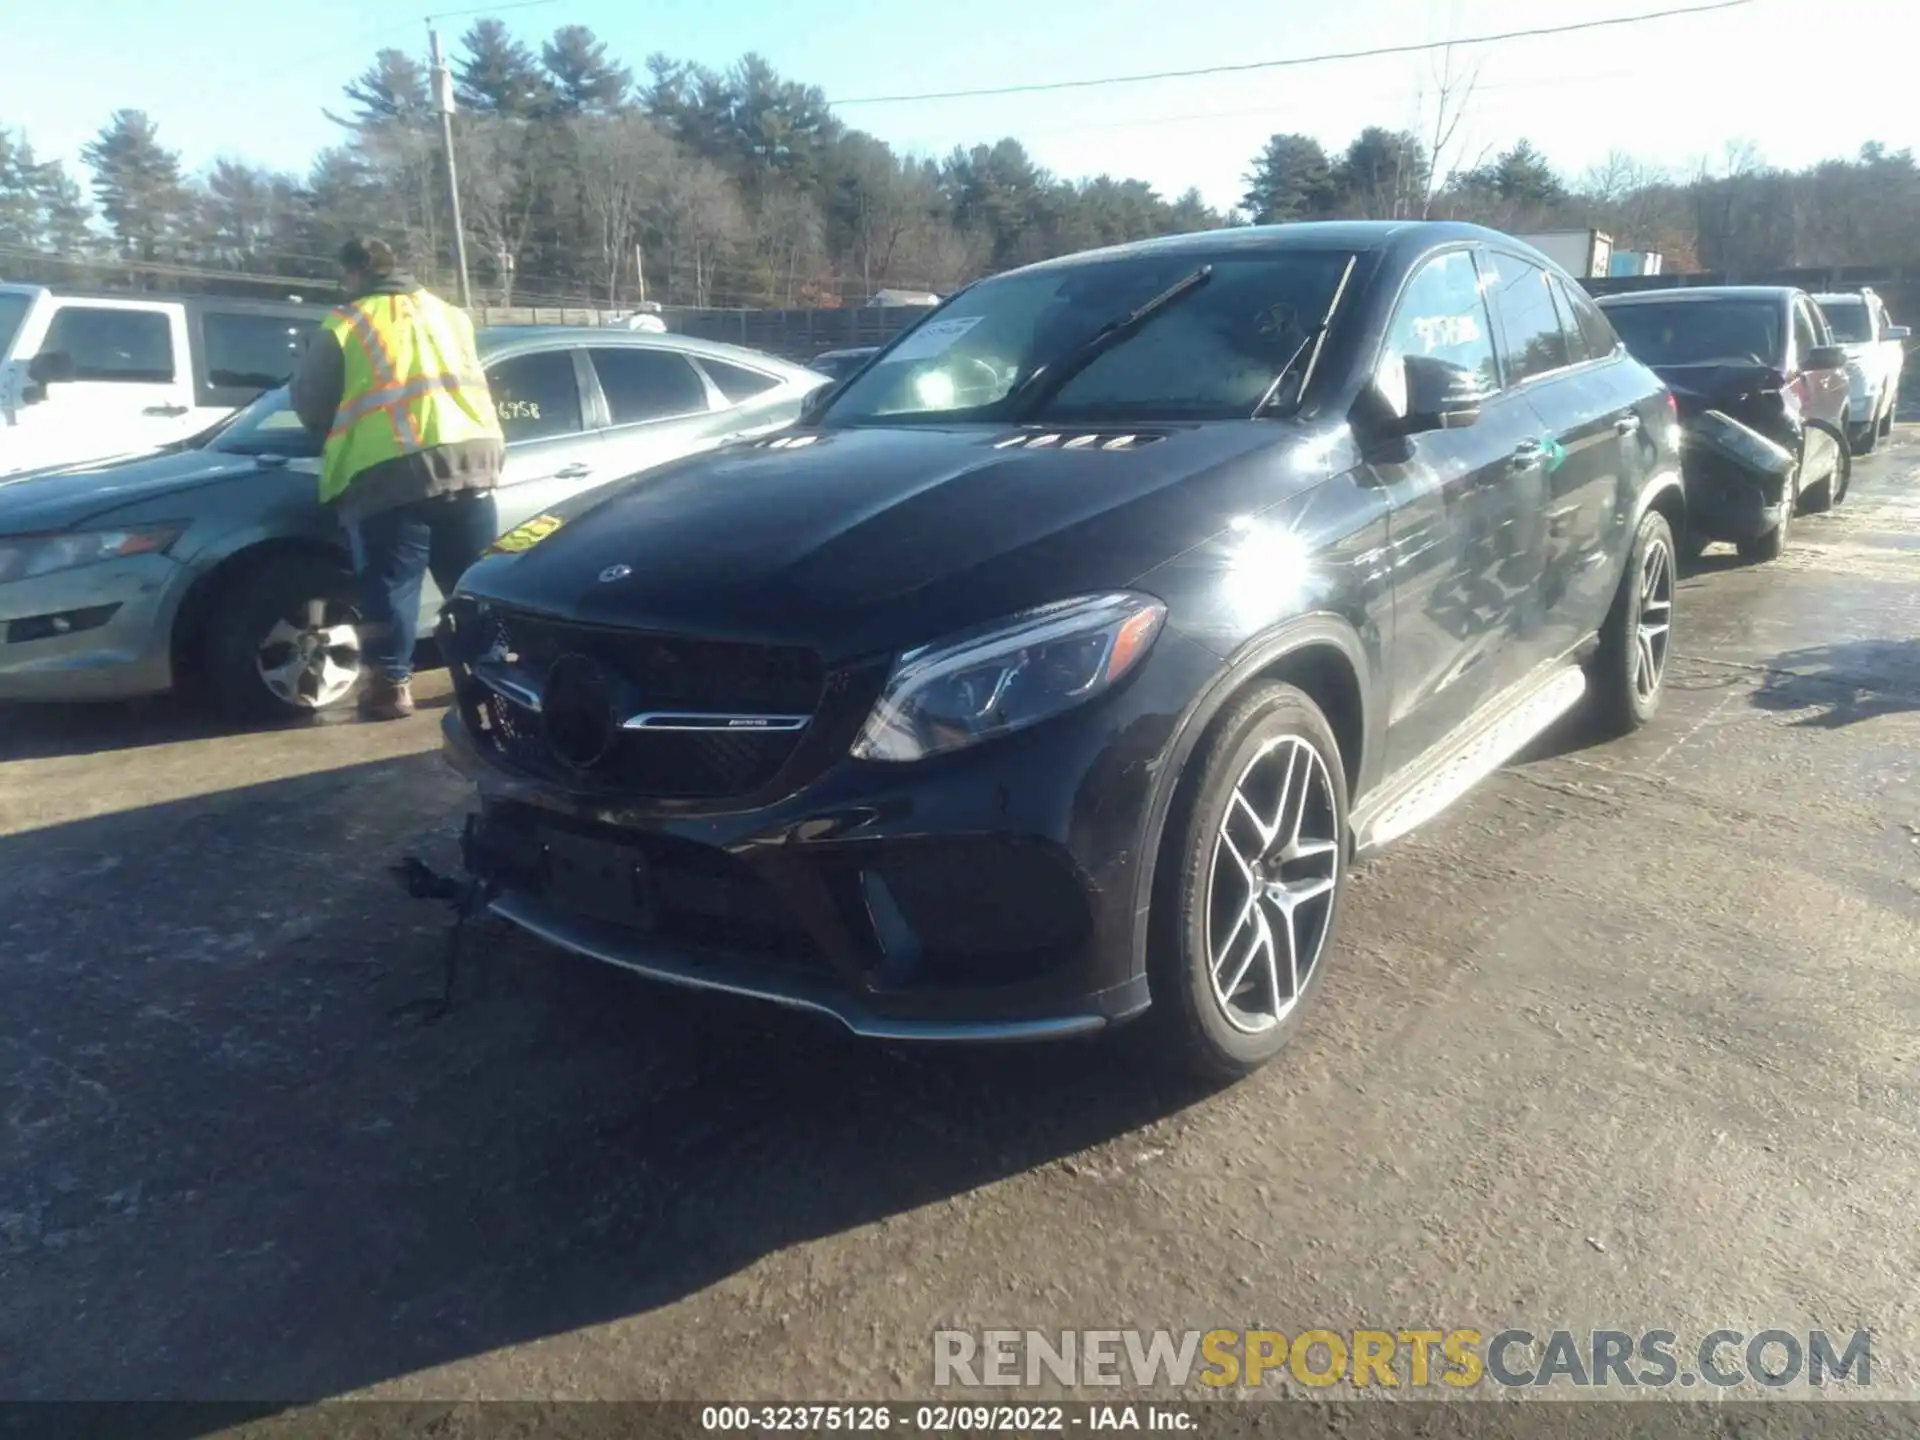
1629, 672
282, 644
1262, 871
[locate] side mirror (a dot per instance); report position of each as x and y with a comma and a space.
814, 401
50, 367
1895, 332
1825, 357
1441, 396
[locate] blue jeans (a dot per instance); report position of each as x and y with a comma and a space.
392, 552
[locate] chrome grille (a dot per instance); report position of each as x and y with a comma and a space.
691, 718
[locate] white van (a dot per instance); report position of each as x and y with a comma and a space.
89, 376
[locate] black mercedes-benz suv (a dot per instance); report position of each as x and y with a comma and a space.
1055, 668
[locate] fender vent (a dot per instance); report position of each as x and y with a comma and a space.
1078, 440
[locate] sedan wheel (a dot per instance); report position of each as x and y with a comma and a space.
1276, 864
312, 665
281, 643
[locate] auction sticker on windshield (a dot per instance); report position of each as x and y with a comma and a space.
931, 339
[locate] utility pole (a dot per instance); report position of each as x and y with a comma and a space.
443, 102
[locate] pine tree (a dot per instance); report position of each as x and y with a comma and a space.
585, 81
136, 181
22, 205
1291, 179
64, 212
499, 76
393, 88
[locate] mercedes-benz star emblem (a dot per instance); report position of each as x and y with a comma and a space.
615, 572
576, 711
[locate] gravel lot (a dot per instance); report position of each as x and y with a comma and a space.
1626, 1039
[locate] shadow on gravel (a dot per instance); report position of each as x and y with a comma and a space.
229, 1169
51, 731
1844, 684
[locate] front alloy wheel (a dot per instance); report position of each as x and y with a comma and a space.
1276, 863
312, 664
1248, 897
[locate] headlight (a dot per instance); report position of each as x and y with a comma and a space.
23, 556
1006, 676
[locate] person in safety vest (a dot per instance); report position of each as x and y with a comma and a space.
413, 452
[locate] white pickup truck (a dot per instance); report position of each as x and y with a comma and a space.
1876, 355
91, 376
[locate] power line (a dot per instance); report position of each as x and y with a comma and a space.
1297, 60
488, 10
1148, 121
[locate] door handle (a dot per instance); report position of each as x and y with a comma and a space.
167, 410
1627, 425
573, 471
1526, 455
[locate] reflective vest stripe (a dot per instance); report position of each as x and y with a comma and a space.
379, 358
399, 393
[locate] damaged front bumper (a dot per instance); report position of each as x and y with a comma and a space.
1739, 481
910, 923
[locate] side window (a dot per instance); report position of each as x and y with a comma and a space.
1595, 331
128, 346
1570, 332
1528, 319
1441, 316
537, 396
736, 382
646, 384
254, 352
1805, 334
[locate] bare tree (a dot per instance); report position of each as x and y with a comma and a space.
695, 217
621, 165
1452, 93
497, 193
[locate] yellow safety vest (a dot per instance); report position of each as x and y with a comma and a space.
412, 381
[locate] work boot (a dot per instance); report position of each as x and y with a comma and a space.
385, 699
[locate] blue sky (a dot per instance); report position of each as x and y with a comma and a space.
223, 77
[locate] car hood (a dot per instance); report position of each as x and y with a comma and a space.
55, 498
861, 540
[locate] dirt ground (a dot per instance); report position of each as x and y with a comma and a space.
1626, 1039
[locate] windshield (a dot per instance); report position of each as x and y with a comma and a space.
1849, 321
1694, 332
266, 427
13, 309
1213, 353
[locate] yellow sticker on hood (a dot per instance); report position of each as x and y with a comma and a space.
525, 536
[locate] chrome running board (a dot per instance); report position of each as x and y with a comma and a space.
1487, 750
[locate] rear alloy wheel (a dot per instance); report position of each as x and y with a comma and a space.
1629, 671
1264, 867
283, 644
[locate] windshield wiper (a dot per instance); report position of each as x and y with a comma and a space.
1047, 381
1311, 341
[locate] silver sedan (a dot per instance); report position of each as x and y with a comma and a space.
211, 564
